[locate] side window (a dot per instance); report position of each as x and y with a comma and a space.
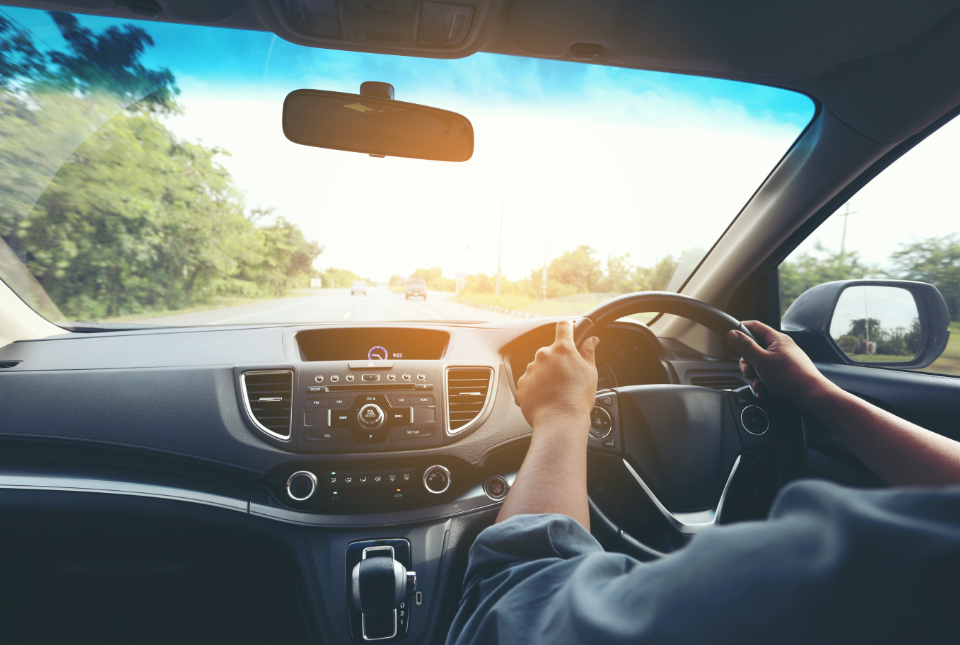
903, 225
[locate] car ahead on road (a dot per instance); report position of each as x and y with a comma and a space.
415, 288
161, 482
358, 286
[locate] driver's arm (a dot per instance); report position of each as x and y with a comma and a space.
897, 451
556, 394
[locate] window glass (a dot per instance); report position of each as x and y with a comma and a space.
905, 224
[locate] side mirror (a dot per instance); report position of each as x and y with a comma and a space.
881, 323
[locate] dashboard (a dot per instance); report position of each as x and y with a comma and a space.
402, 435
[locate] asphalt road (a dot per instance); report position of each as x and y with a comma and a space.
336, 305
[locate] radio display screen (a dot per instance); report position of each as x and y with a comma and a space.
375, 344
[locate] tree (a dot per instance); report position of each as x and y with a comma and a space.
811, 269
935, 260
578, 268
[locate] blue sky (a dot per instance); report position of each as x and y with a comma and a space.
664, 161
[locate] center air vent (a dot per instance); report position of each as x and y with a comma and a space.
467, 392
268, 397
718, 381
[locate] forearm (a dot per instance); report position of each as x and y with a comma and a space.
897, 451
553, 478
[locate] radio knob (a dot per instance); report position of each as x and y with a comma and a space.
370, 417
436, 479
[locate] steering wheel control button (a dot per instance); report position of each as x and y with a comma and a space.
301, 485
609, 443
601, 425
755, 420
495, 487
436, 479
412, 432
605, 400
370, 417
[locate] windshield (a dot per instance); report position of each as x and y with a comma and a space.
145, 178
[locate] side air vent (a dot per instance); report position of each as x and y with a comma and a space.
467, 391
718, 381
269, 400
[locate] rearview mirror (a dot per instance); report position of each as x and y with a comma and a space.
882, 323
380, 127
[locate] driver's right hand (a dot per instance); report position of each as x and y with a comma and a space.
781, 366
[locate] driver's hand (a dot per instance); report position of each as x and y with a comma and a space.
783, 367
561, 381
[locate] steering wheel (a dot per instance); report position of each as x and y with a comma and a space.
685, 451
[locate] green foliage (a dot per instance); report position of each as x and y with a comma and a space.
899, 341
435, 280
578, 268
108, 209
935, 260
338, 278
811, 269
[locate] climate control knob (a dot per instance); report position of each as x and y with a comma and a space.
301, 485
370, 417
436, 479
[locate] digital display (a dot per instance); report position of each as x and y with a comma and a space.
372, 344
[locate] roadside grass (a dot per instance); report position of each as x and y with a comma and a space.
949, 361
880, 358
218, 303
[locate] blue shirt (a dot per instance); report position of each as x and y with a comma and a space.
829, 565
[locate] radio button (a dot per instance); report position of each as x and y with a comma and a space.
315, 403
339, 401
415, 432
401, 416
405, 377
423, 386
424, 415
421, 377
341, 418
391, 377
329, 435
316, 419
423, 399
369, 436
316, 389
401, 399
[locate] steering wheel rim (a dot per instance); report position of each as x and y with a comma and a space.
661, 302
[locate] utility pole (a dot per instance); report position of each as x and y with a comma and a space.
843, 239
496, 290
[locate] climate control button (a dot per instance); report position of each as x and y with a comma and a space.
301, 485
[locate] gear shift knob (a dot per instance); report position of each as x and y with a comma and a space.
380, 584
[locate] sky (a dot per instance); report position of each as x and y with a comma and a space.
625, 161
916, 198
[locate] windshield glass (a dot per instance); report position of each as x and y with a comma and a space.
145, 178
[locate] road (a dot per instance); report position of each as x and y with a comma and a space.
335, 305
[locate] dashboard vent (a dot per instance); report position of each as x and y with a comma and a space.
269, 400
467, 392
719, 381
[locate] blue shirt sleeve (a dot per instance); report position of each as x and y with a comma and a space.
829, 565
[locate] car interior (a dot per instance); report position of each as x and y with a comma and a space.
249, 482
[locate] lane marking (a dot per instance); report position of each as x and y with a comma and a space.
426, 311
257, 313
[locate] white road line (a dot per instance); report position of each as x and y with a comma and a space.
257, 313
426, 311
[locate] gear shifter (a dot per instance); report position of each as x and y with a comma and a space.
380, 587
